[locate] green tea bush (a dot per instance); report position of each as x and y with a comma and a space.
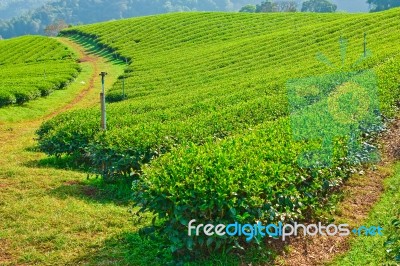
189, 80
257, 176
33, 66
247, 178
392, 244
7, 98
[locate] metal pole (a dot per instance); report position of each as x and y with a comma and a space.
123, 87
123, 81
103, 112
103, 103
365, 44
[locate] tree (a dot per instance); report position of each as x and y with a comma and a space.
286, 6
379, 5
266, 6
55, 28
91, 11
277, 6
248, 9
319, 6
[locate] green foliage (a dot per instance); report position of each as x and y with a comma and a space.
380, 5
213, 93
208, 92
266, 6
276, 6
32, 67
319, 6
256, 174
248, 9
244, 178
90, 11
392, 243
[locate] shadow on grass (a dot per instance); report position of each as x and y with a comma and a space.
93, 188
125, 249
63, 163
130, 249
96, 190
93, 48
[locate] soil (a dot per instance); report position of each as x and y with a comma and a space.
83, 57
361, 193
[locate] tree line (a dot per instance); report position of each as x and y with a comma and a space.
50, 17
91, 11
15, 8
319, 6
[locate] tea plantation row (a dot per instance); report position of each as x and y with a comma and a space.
210, 92
212, 86
31, 67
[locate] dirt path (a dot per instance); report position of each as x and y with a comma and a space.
361, 192
85, 97
83, 57
11, 132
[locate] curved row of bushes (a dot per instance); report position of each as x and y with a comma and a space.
32, 67
263, 175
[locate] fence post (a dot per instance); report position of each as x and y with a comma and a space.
103, 103
123, 87
365, 44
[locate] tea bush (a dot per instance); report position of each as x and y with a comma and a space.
32, 67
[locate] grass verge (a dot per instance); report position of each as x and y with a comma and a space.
371, 250
43, 106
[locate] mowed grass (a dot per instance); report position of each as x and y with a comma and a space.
57, 217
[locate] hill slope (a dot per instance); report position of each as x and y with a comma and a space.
226, 78
31, 67
91, 11
212, 91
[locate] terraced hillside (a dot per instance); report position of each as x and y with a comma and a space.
189, 84
209, 90
31, 67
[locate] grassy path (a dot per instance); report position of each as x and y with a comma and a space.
50, 216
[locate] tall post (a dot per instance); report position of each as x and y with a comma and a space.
103, 103
123, 87
365, 44
123, 81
